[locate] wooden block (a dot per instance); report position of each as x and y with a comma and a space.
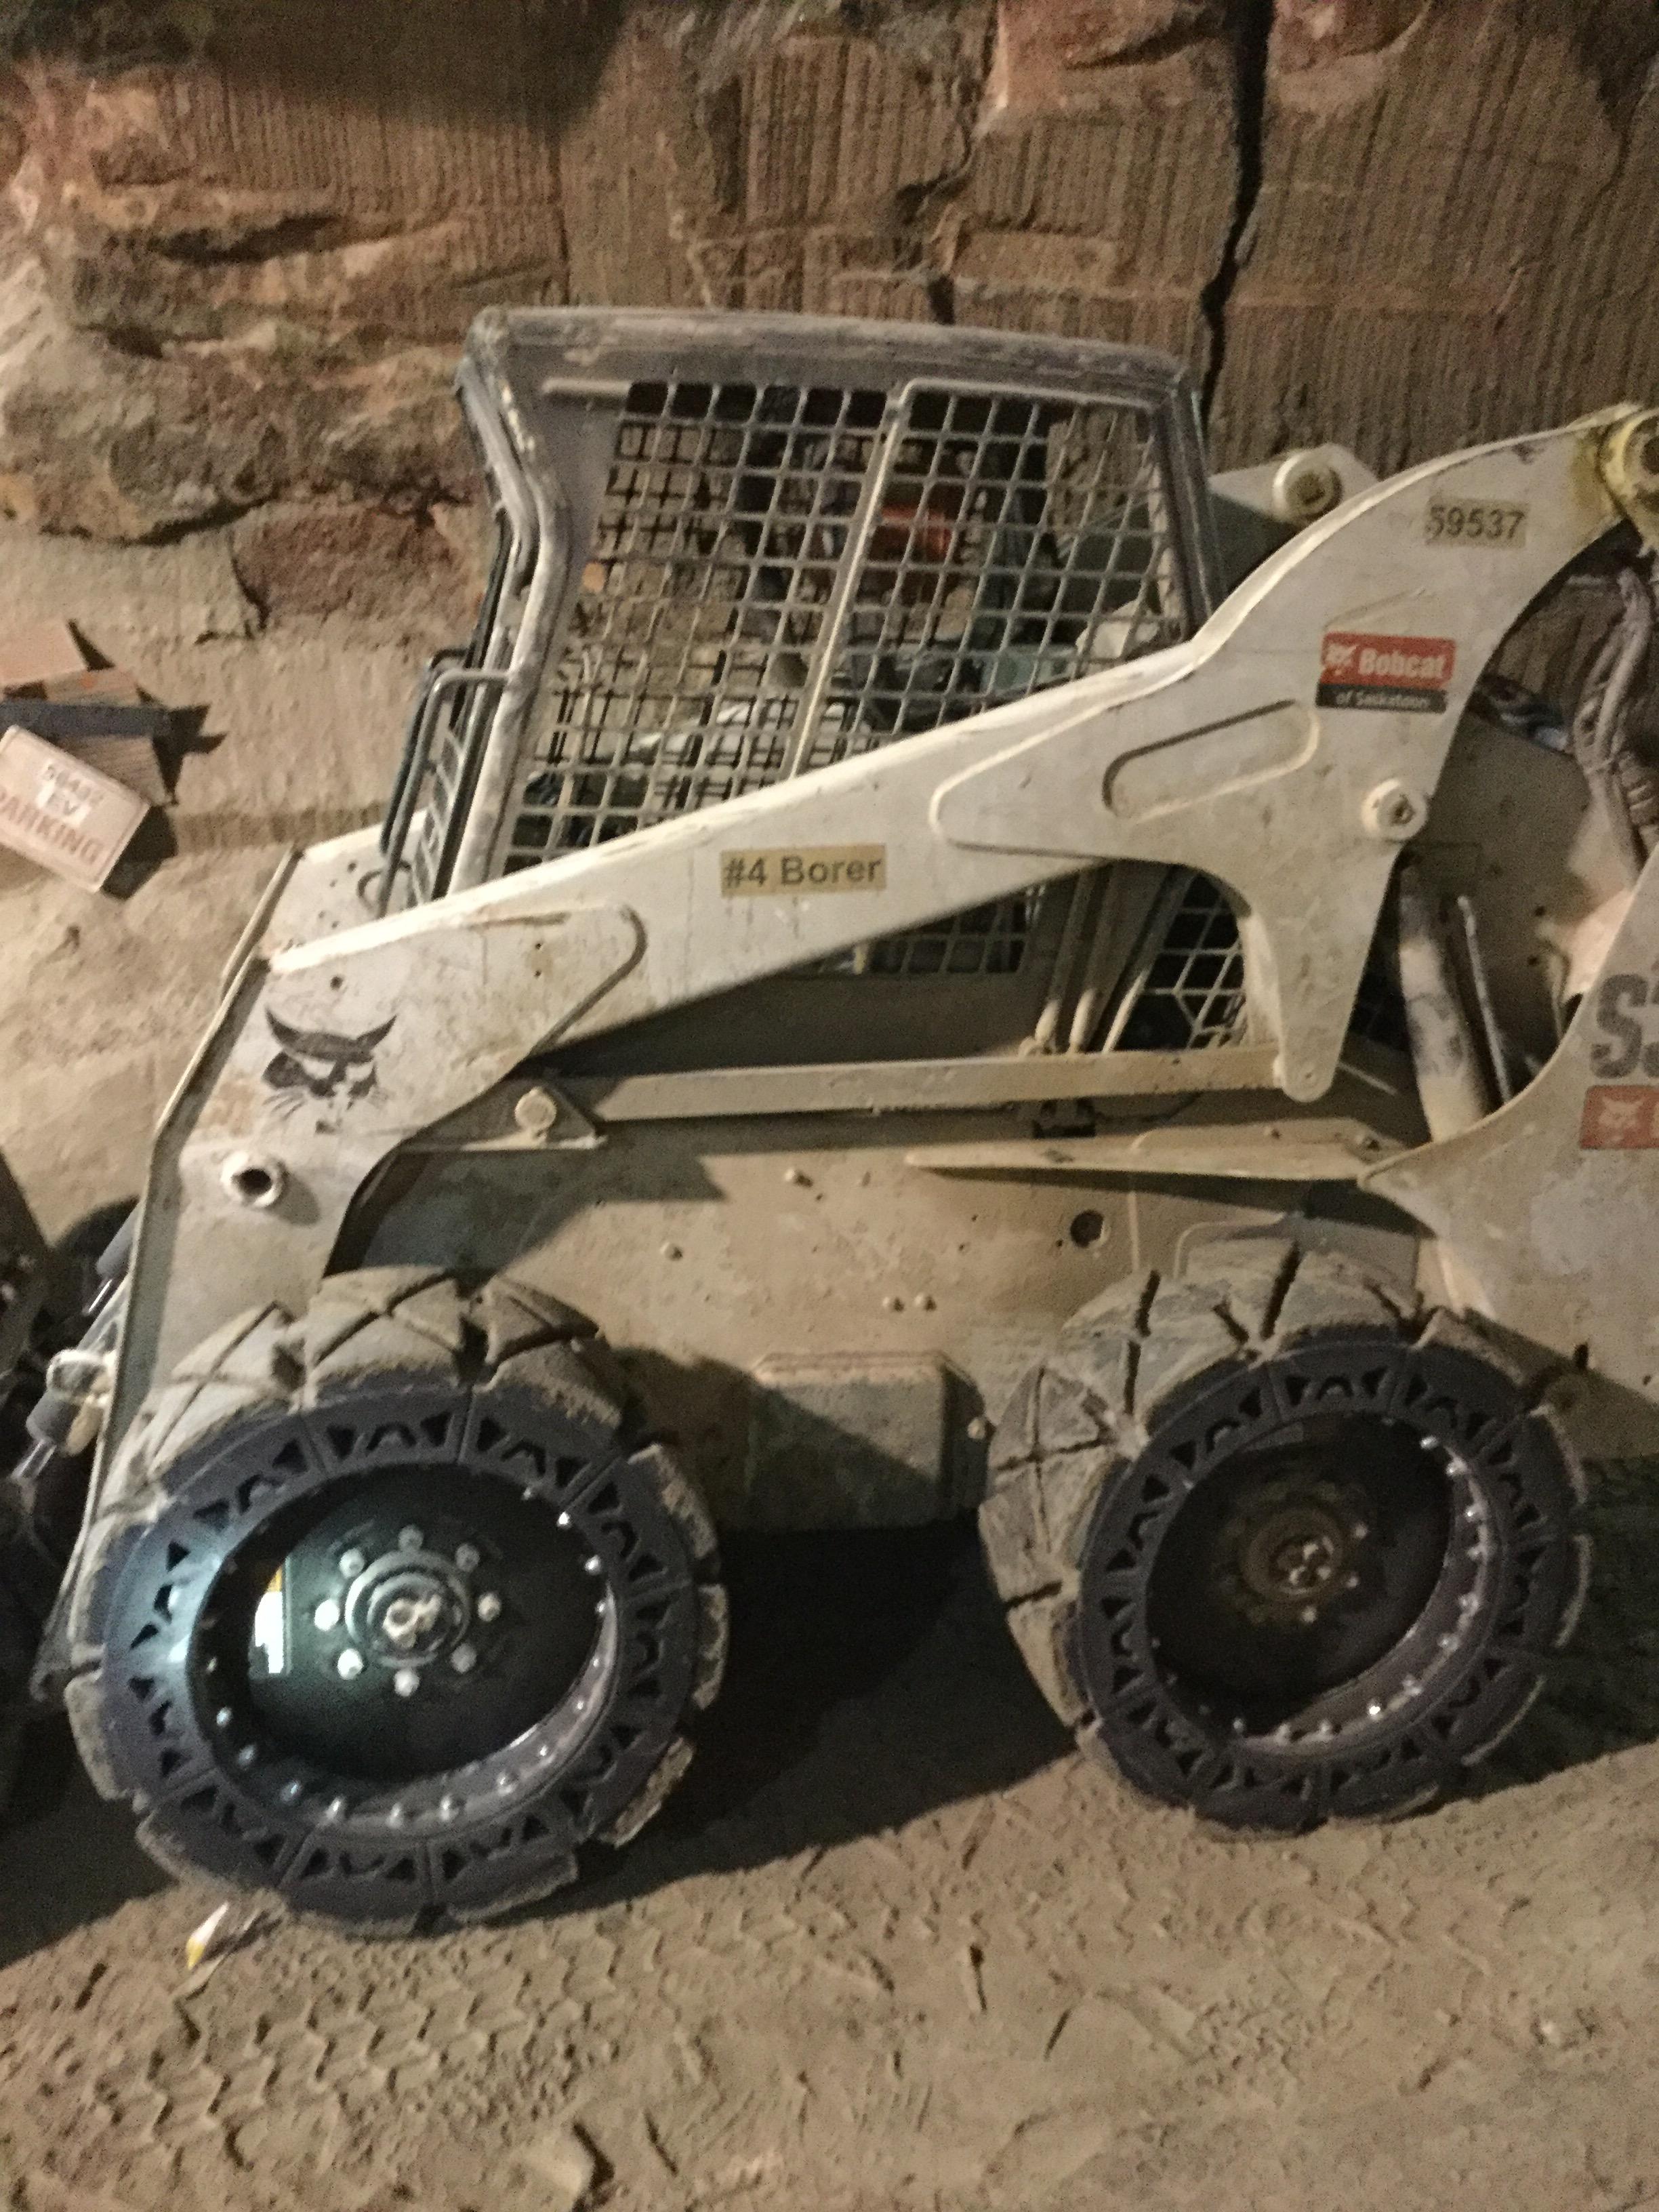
63, 814
113, 685
38, 653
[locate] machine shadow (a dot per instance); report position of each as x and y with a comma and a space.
871, 1681
66, 1857
1602, 1694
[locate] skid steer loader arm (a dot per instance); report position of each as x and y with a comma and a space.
1288, 749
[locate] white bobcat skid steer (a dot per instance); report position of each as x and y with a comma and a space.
882, 992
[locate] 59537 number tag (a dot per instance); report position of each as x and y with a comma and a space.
1485, 522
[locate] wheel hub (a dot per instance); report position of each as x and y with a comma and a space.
407, 1624
1289, 1553
1284, 1581
406, 1609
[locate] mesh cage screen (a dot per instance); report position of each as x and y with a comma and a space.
785, 576
1192, 997
985, 940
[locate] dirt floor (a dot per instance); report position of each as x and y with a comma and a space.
894, 1946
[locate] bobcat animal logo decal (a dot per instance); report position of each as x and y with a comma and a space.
317, 1064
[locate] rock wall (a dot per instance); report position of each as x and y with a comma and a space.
244, 237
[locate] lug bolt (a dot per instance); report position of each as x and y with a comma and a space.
1352, 1583
467, 1557
1375, 1709
463, 1658
411, 1539
224, 1716
1359, 1532
405, 1682
350, 1664
1308, 1614
396, 1816
246, 1755
449, 1807
352, 1563
327, 1615
290, 1792
489, 1606
594, 1566
337, 1809
506, 1783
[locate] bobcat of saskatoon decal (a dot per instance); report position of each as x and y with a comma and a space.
317, 1064
1407, 675
1621, 1117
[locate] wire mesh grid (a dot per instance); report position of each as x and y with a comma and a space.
702, 605
1017, 542
783, 576
985, 940
1193, 997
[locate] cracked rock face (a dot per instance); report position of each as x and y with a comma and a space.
1446, 196
245, 240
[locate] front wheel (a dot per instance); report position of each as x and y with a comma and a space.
394, 1610
1278, 1547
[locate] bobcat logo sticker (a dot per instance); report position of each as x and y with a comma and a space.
317, 1064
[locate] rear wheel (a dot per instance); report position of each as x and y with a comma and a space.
1277, 1547
396, 1610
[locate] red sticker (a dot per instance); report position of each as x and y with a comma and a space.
1410, 675
1620, 1117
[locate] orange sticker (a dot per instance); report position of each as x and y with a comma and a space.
1407, 675
1620, 1117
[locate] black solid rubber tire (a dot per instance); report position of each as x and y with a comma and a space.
1153, 1388
502, 1387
